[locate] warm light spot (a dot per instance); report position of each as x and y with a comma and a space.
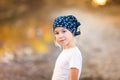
47, 38
1, 51
99, 2
39, 46
31, 33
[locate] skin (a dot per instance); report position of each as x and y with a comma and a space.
65, 38
73, 74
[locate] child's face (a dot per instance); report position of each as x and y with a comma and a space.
63, 36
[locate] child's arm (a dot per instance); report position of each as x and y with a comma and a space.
73, 74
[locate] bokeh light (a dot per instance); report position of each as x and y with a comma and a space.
99, 2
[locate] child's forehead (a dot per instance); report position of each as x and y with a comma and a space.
59, 28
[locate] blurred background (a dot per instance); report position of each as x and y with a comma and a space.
27, 50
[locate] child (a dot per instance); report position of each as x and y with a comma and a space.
69, 62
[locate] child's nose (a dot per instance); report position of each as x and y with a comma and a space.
60, 35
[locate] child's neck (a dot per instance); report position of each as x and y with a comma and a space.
69, 46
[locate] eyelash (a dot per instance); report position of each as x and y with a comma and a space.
56, 33
64, 31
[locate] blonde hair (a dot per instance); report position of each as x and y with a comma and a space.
57, 44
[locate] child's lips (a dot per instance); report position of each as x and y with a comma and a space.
62, 40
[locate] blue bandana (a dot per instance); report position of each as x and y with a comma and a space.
69, 22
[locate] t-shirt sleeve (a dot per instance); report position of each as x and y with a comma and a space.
76, 61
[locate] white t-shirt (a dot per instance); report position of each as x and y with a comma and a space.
68, 58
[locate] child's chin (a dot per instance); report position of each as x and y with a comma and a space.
63, 44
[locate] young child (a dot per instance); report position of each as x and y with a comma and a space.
69, 62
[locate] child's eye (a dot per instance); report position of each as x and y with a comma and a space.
63, 31
56, 33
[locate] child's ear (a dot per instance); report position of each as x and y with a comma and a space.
54, 39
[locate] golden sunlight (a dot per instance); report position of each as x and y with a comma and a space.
99, 2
